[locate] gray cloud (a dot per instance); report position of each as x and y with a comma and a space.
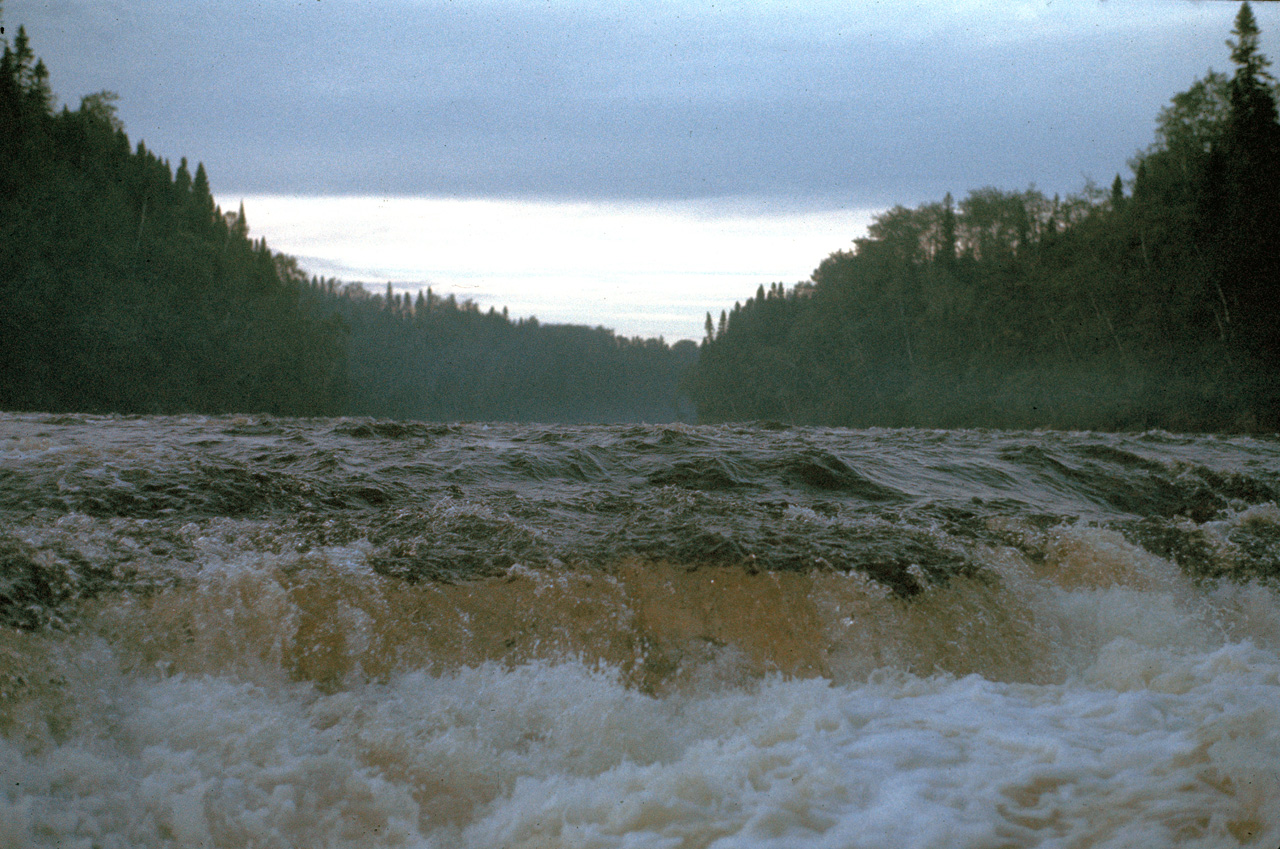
834, 104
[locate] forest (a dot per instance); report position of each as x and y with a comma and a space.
125, 289
1155, 304
439, 359
1152, 304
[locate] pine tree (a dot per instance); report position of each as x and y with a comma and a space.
182, 179
1249, 206
203, 210
241, 225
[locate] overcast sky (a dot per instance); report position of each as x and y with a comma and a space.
795, 112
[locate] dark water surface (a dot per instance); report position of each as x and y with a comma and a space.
245, 631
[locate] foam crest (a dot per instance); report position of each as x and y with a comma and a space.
272, 633
569, 756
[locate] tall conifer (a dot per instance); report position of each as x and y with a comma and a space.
1249, 229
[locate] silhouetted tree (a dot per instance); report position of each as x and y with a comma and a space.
1249, 227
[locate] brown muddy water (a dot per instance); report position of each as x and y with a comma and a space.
257, 632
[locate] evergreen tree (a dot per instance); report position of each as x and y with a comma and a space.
1117, 194
200, 187
182, 179
1249, 227
241, 225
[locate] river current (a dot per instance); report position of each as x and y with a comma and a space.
258, 632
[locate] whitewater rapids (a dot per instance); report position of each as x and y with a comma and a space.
246, 631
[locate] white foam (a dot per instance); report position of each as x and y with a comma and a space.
1150, 746
1159, 727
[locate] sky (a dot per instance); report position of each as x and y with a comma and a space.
628, 164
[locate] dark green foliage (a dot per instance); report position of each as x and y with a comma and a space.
437, 359
1102, 311
1246, 196
121, 287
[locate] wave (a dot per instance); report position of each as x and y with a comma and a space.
272, 632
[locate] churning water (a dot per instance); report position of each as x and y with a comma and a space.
250, 632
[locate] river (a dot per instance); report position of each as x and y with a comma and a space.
248, 631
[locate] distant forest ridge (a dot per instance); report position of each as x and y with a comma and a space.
124, 288
1155, 304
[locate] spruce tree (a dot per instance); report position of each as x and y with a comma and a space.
1249, 171
241, 225
203, 210
182, 179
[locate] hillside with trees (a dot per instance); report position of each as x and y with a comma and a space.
1154, 304
124, 288
438, 359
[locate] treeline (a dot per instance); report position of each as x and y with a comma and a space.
124, 288
434, 358
1156, 307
